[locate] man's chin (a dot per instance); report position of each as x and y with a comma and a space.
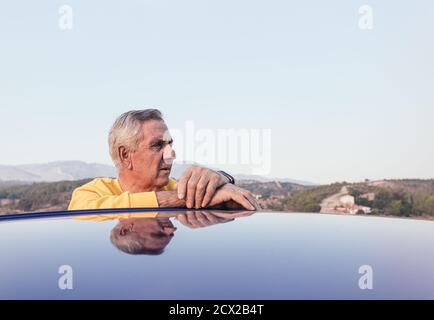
163, 180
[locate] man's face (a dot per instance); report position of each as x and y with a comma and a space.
152, 161
158, 232
143, 234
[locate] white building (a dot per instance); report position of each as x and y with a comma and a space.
347, 200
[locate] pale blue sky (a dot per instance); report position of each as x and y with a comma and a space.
342, 103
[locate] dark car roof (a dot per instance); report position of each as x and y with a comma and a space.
266, 255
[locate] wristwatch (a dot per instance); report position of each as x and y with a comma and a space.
227, 175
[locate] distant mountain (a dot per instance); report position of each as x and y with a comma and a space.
8, 173
55, 171
266, 179
77, 170
64, 171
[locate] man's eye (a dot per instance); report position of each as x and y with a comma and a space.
158, 146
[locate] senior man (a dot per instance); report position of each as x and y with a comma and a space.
141, 148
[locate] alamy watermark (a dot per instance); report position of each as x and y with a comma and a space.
66, 17
366, 17
366, 281
66, 279
241, 146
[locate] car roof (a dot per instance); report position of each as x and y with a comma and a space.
266, 255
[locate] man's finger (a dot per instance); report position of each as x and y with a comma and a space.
240, 199
192, 220
209, 193
252, 200
200, 191
202, 219
211, 217
182, 218
191, 190
182, 184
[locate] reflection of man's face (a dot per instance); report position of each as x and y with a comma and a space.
142, 235
152, 161
158, 232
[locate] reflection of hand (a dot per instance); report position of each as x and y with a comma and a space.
234, 197
201, 219
231, 214
198, 185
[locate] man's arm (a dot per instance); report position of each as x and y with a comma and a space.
229, 196
169, 199
90, 197
82, 200
86, 198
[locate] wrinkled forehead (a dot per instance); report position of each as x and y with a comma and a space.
155, 130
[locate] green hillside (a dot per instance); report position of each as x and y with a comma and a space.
37, 196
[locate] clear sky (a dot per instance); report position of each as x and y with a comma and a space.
342, 103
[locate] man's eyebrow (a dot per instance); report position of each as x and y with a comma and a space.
160, 140
158, 234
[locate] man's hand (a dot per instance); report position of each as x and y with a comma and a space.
233, 197
198, 185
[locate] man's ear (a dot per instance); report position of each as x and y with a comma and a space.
126, 229
125, 157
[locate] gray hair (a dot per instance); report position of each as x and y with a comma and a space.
132, 243
126, 131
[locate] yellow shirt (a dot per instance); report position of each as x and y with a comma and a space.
105, 193
108, 217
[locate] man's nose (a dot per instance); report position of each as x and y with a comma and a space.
169, 230
169, 154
